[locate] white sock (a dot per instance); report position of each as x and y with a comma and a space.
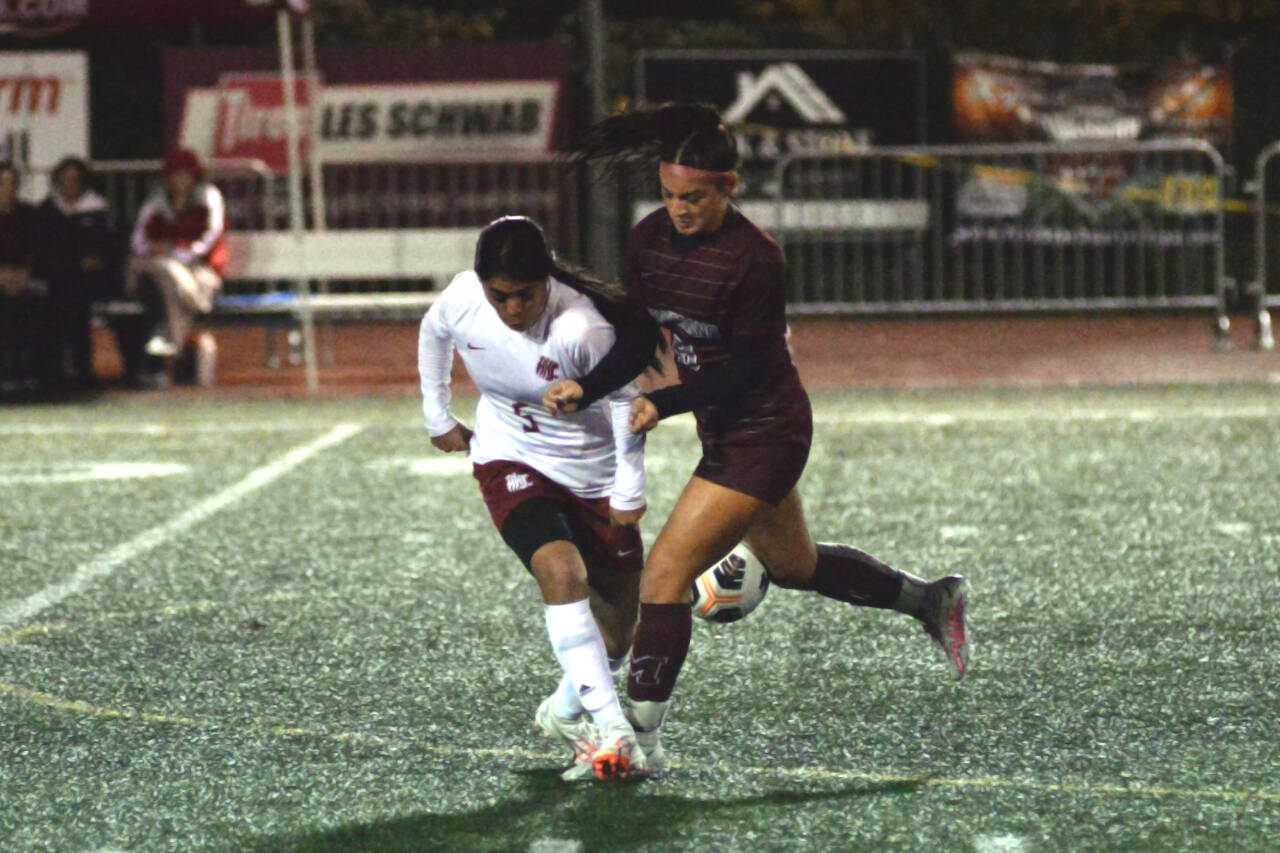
566, 703
578, 645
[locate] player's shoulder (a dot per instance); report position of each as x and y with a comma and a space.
651, 225
464, 288
575, 315
752, 237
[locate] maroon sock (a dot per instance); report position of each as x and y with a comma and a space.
662, 641
855, 577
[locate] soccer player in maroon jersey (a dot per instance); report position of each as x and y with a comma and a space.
716, 282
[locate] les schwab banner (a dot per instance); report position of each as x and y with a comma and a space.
243, 117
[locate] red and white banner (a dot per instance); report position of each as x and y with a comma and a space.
44, 108
362, 123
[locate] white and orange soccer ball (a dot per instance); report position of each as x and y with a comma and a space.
733, 586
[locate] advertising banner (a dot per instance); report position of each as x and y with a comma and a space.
794, 102
243, 117
44, 110
1002, 99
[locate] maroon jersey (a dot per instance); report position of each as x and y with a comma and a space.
715, 293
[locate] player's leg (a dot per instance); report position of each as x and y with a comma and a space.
780, 538
706, 522
540, 532
535, 524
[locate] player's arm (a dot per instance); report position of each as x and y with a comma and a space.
759, 317
626, 501
435, 368
637, 338
215, 226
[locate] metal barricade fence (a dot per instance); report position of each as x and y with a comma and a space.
1001, 227
374, 196
1266, 244
246, 185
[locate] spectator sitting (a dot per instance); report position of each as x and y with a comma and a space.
178, 252
22, 302
74, 239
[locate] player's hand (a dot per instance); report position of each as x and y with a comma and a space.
562, 397
455, 440
625, 517
644, 415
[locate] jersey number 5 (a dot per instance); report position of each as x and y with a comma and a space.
530, 425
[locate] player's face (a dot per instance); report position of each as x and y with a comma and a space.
518, 303
695, 206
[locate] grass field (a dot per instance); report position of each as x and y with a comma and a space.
270, 625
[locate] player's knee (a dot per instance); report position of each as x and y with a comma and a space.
561, 575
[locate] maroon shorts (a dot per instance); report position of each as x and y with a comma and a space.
765, 471
761, 454
604, 548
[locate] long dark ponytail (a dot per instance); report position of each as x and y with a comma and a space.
683, 134
515, 248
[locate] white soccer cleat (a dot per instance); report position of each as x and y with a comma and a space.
619, 756
161, 347
646, 720
579, 734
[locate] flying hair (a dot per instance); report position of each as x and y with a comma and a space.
680, 134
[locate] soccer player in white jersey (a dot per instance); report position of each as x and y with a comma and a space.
565, 493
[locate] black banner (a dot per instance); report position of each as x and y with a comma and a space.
782, 103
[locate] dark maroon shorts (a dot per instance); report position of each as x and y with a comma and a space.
765, 471
761, 453
613, 550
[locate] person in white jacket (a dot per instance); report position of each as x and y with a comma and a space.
566, 493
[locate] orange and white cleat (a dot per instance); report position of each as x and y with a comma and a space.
579, 734
619, 756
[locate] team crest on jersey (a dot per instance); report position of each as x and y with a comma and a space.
518, 482
547, 368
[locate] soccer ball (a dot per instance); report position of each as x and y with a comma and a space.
733, 587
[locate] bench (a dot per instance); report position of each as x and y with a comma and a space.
327, 256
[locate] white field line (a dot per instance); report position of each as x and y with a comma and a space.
19, 611
156, 429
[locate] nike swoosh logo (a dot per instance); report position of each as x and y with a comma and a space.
626, 553
473, 346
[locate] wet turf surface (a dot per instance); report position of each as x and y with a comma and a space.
343, 655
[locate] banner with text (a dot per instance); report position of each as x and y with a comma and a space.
44, 110
1002, 99
781, 103
361, 123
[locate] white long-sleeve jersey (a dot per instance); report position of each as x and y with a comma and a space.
592, 453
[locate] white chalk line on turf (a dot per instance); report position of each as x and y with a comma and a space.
75, 706
48, 700
86, 574
156, 429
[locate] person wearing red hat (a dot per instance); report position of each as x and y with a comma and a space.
178, 252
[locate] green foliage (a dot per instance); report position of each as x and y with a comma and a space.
1063, 30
